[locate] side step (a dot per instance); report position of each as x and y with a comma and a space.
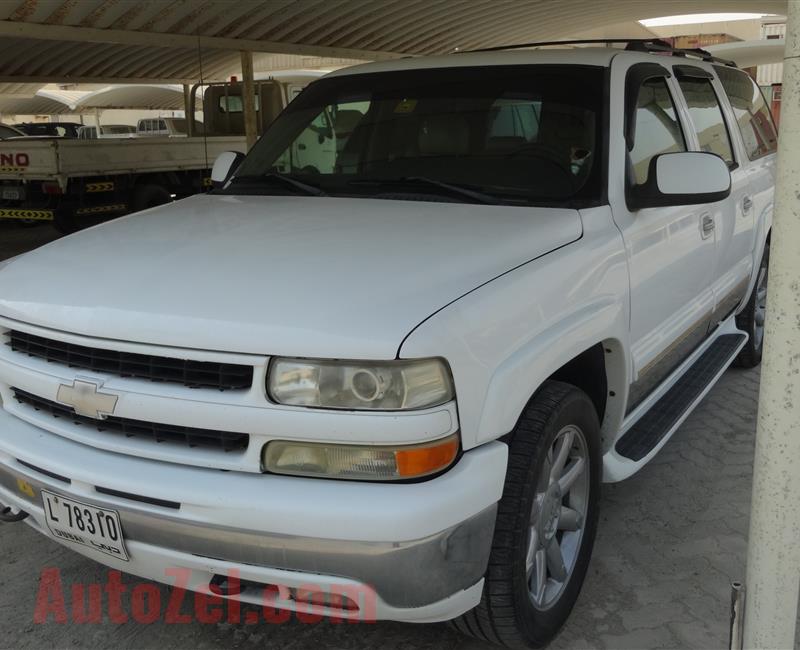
648, 431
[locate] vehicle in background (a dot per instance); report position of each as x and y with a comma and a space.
167, 127
80, 182
106, 131
8, 131
50, 129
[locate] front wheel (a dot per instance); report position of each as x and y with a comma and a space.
546, 522
752, 317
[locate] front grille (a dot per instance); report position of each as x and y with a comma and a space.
157, 432
195, 374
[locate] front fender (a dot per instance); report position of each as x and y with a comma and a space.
507, 337
519, 376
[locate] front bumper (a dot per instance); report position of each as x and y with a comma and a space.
420, 549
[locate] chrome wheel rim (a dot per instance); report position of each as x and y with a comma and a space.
760, 310
558, 516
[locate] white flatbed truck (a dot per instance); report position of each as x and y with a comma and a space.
77, 183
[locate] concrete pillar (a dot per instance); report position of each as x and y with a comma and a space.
249, 100
773, 554
187, 109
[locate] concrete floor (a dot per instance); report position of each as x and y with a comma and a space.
671, 540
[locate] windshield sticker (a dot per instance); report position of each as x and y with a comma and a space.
406, 106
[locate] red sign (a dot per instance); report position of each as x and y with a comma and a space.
14, 160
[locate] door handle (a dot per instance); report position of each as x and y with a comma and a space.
707, 223
747, 204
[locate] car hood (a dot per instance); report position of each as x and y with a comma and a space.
307, 276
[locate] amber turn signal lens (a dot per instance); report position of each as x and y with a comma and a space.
421, 461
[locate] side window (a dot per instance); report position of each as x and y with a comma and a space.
707, 117
657, 128
752, 114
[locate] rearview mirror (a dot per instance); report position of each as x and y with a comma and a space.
224, 166
683, 178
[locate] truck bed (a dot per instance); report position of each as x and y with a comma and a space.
60, 159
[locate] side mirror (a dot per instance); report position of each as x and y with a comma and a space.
224, 166
683, 178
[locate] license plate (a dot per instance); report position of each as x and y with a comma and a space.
13, 194
84, 524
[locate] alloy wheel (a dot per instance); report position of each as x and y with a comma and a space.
557, 517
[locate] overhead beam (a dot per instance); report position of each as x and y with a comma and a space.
185, 41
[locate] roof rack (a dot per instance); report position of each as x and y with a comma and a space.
653, 45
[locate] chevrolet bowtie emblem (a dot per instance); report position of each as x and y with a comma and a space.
84, 397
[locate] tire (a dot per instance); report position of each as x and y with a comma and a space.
149, 196
751, 319
508, 614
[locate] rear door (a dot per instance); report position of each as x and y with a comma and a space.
757, 141
733, 217
671, 250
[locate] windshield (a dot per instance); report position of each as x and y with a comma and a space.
516, 134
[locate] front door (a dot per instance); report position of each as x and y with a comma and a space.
671, 250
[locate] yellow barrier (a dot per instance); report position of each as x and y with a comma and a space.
101, 209
38, 215
100, 187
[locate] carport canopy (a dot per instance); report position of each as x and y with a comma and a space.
40, 102
144, 96
107, 41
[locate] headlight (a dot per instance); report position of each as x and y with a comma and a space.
360, 385
360, 462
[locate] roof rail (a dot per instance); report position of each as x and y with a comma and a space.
653, 45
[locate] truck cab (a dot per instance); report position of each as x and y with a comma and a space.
106, 131
166, 127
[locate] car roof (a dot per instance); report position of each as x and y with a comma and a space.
593, 56
598, 56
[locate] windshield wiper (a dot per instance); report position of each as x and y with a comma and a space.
291, 181
451, 188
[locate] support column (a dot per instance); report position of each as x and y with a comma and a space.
249, 99
773, 553
188, 113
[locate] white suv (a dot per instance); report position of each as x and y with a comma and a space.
404, 374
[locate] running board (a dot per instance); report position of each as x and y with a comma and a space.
662, 417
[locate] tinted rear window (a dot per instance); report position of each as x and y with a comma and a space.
752, 114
